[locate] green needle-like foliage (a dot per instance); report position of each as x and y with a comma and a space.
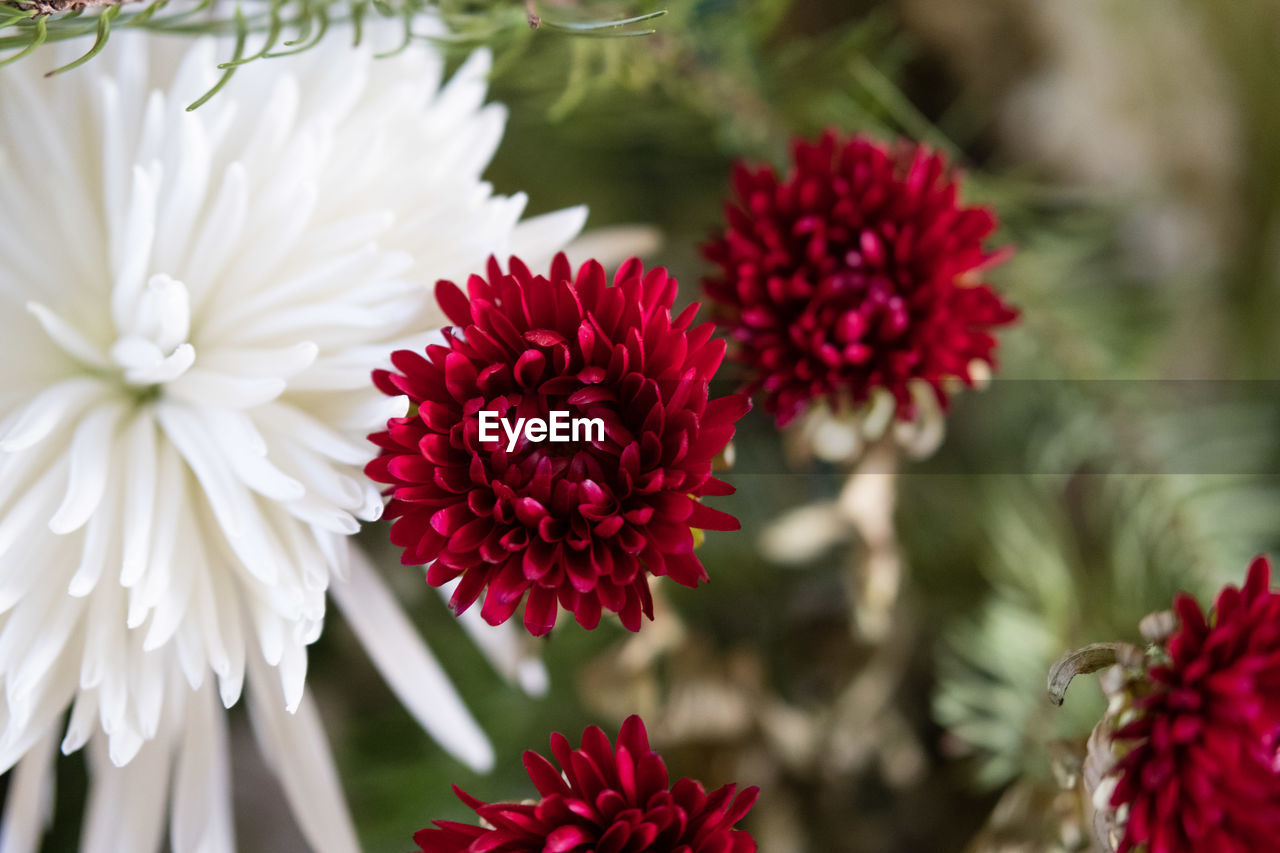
286, 26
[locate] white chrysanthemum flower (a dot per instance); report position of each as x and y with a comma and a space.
190, 307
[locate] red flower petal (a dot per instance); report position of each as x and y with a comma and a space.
453, 302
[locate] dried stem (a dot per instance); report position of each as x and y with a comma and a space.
867, 503
1089, 659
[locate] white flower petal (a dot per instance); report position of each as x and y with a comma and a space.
29, 121
131, 242
240, 448
464, 94
922, 436
95, 552
140, 497
53, 406
221, 229
281, 363
166, 311
82, 723
409, 668
534, 237
314, 435
227, 498
35, 636
202, 821
149, 693
29, 804
121, 815
91, 458
614, 244
224, 391
167, 369
505, 648
20, 517
68, 337
183, 195
293, 674
352, 232
295, 747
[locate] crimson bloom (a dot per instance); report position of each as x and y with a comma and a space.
580, 524
858, 271
607, 801
1201, 773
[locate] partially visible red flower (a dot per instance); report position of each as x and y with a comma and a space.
859, 270
607, 801
582, 524
1202, 772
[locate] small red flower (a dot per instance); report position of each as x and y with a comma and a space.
607, 801
1203, 772
582, 524
857, 271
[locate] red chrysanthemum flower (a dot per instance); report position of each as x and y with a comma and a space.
607, 801
1202, 772
582, 523
857, 271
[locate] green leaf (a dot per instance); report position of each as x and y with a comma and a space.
242, 33
41, 33
602, 27
104, 33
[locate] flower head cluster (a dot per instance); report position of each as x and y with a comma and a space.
856, 273
190, 307
580, 525
1202, 770
602, 798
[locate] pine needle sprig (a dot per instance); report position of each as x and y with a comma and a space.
286, 27
1085, 552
